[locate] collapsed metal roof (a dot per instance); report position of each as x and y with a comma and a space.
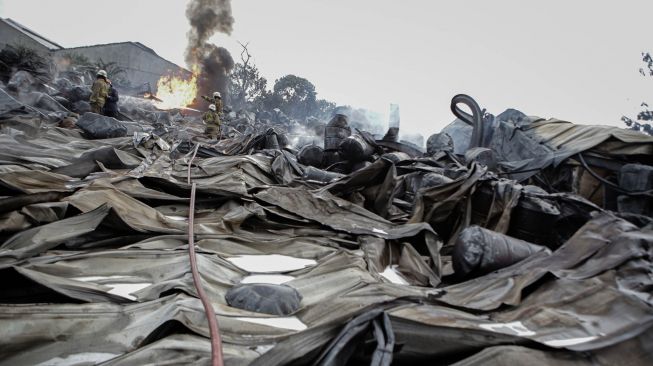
32, 34
95, 239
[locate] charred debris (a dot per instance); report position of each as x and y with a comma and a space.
507, 239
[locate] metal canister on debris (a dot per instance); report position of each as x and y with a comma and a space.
331, 157
479, 251
396, 156
439, 142
311, 155
319, 175
271, 141
336, 130
354, 148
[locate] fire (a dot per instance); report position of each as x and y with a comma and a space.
175, 91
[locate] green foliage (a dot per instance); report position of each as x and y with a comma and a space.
648, 60
117, 74
295, 89
640, 123
324, 109
18, 57
78, 62
83, 64
112, 68
295, 96
247, 87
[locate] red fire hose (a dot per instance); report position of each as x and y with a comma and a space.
214, 331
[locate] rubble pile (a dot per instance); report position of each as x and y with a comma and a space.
510, 239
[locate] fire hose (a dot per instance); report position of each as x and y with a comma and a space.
214, 331
648, 193
475, 119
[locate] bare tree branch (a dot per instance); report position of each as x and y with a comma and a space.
245, 56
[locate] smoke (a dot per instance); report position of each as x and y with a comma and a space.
215, 67
364, 119
213, 63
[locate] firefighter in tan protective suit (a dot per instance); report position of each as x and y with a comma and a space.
216, 100
99, 92
212, 120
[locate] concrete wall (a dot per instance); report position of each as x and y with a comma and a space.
12, 36
141, 66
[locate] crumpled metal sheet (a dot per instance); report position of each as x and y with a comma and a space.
540, 143
123, 328
505, 286
39, 239
334, 212
568, 139
517, 355
23, 286
137, 265
97, 260
342, 347
89, 162
435, 205
134, 213
28, 181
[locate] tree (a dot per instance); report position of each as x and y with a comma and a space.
117, 74
81, 63
75, 60
295, 96
640, 123
18, 57
324, 109
247, 86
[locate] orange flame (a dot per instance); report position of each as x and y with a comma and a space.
175, 91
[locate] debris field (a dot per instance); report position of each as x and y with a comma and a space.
508, 239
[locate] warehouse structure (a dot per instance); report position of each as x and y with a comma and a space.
141, 64
14, 33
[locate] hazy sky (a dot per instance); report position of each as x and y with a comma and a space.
574, 60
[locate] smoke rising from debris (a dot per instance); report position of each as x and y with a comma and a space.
216, 66
213, 63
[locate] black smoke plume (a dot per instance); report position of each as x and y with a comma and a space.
213, 63
215, 67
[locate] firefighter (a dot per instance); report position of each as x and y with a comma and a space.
212, 120
111, 104
99, 92
217, 101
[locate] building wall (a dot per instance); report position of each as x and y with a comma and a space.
140, 65
9, 35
